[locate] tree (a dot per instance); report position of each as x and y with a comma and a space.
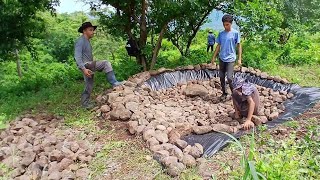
183, 29
19, 22
275, 20
137, 20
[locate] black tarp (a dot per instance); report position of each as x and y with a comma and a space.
304, 99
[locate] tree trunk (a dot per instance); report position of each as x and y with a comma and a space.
141, 59
195, 31
158, 46
18, 63
143, 34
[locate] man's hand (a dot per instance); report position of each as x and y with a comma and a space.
248, 124
87, 72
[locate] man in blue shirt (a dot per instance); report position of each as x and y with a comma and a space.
211, 41
228, 40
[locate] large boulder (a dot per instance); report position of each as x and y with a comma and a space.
195, 90
202, 129
120, 113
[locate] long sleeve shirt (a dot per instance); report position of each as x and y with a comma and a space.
82, 52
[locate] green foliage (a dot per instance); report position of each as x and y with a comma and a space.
294, 158
183, 29
257, 17
20, 21
247, 161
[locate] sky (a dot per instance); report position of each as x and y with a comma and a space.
69, 6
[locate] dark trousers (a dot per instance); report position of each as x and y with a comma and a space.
101, 66
225, 68
209, 46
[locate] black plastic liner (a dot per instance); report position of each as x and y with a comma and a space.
304, 99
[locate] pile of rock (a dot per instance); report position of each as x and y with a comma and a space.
37, 148
163, 117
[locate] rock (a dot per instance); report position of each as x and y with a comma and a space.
67, 175
152, 142
149, 134
222, 128
181, 144
202, 129
197, 67
264, 119
140, 129
53, 167
130, 84
156, 148
184, 129
290, 95
195, 152
132, 126
148, 158
74, 147
28, 159
199, 146
161, 154
187, 149
17, 172
189, 160
175, 151
174, 136
161, 127
281, 107
132, 106
202, 123
161, 137
42, 161
64, 164
256, 120
267, 112
73, 167
111, 97
105, 108
167, 161
67, 152
35, 171
189, 67
12, 161
120, 113
274, 116
195, 90
56, 155
175, 169
54, 176
83, 173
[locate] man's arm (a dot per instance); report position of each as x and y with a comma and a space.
249, 124
239, 53
215, 54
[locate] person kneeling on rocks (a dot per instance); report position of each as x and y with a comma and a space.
245, 97
84, 59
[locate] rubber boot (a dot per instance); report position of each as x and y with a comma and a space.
111, 78
85, 101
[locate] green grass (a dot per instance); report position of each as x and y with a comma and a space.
306, 75
286, 157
